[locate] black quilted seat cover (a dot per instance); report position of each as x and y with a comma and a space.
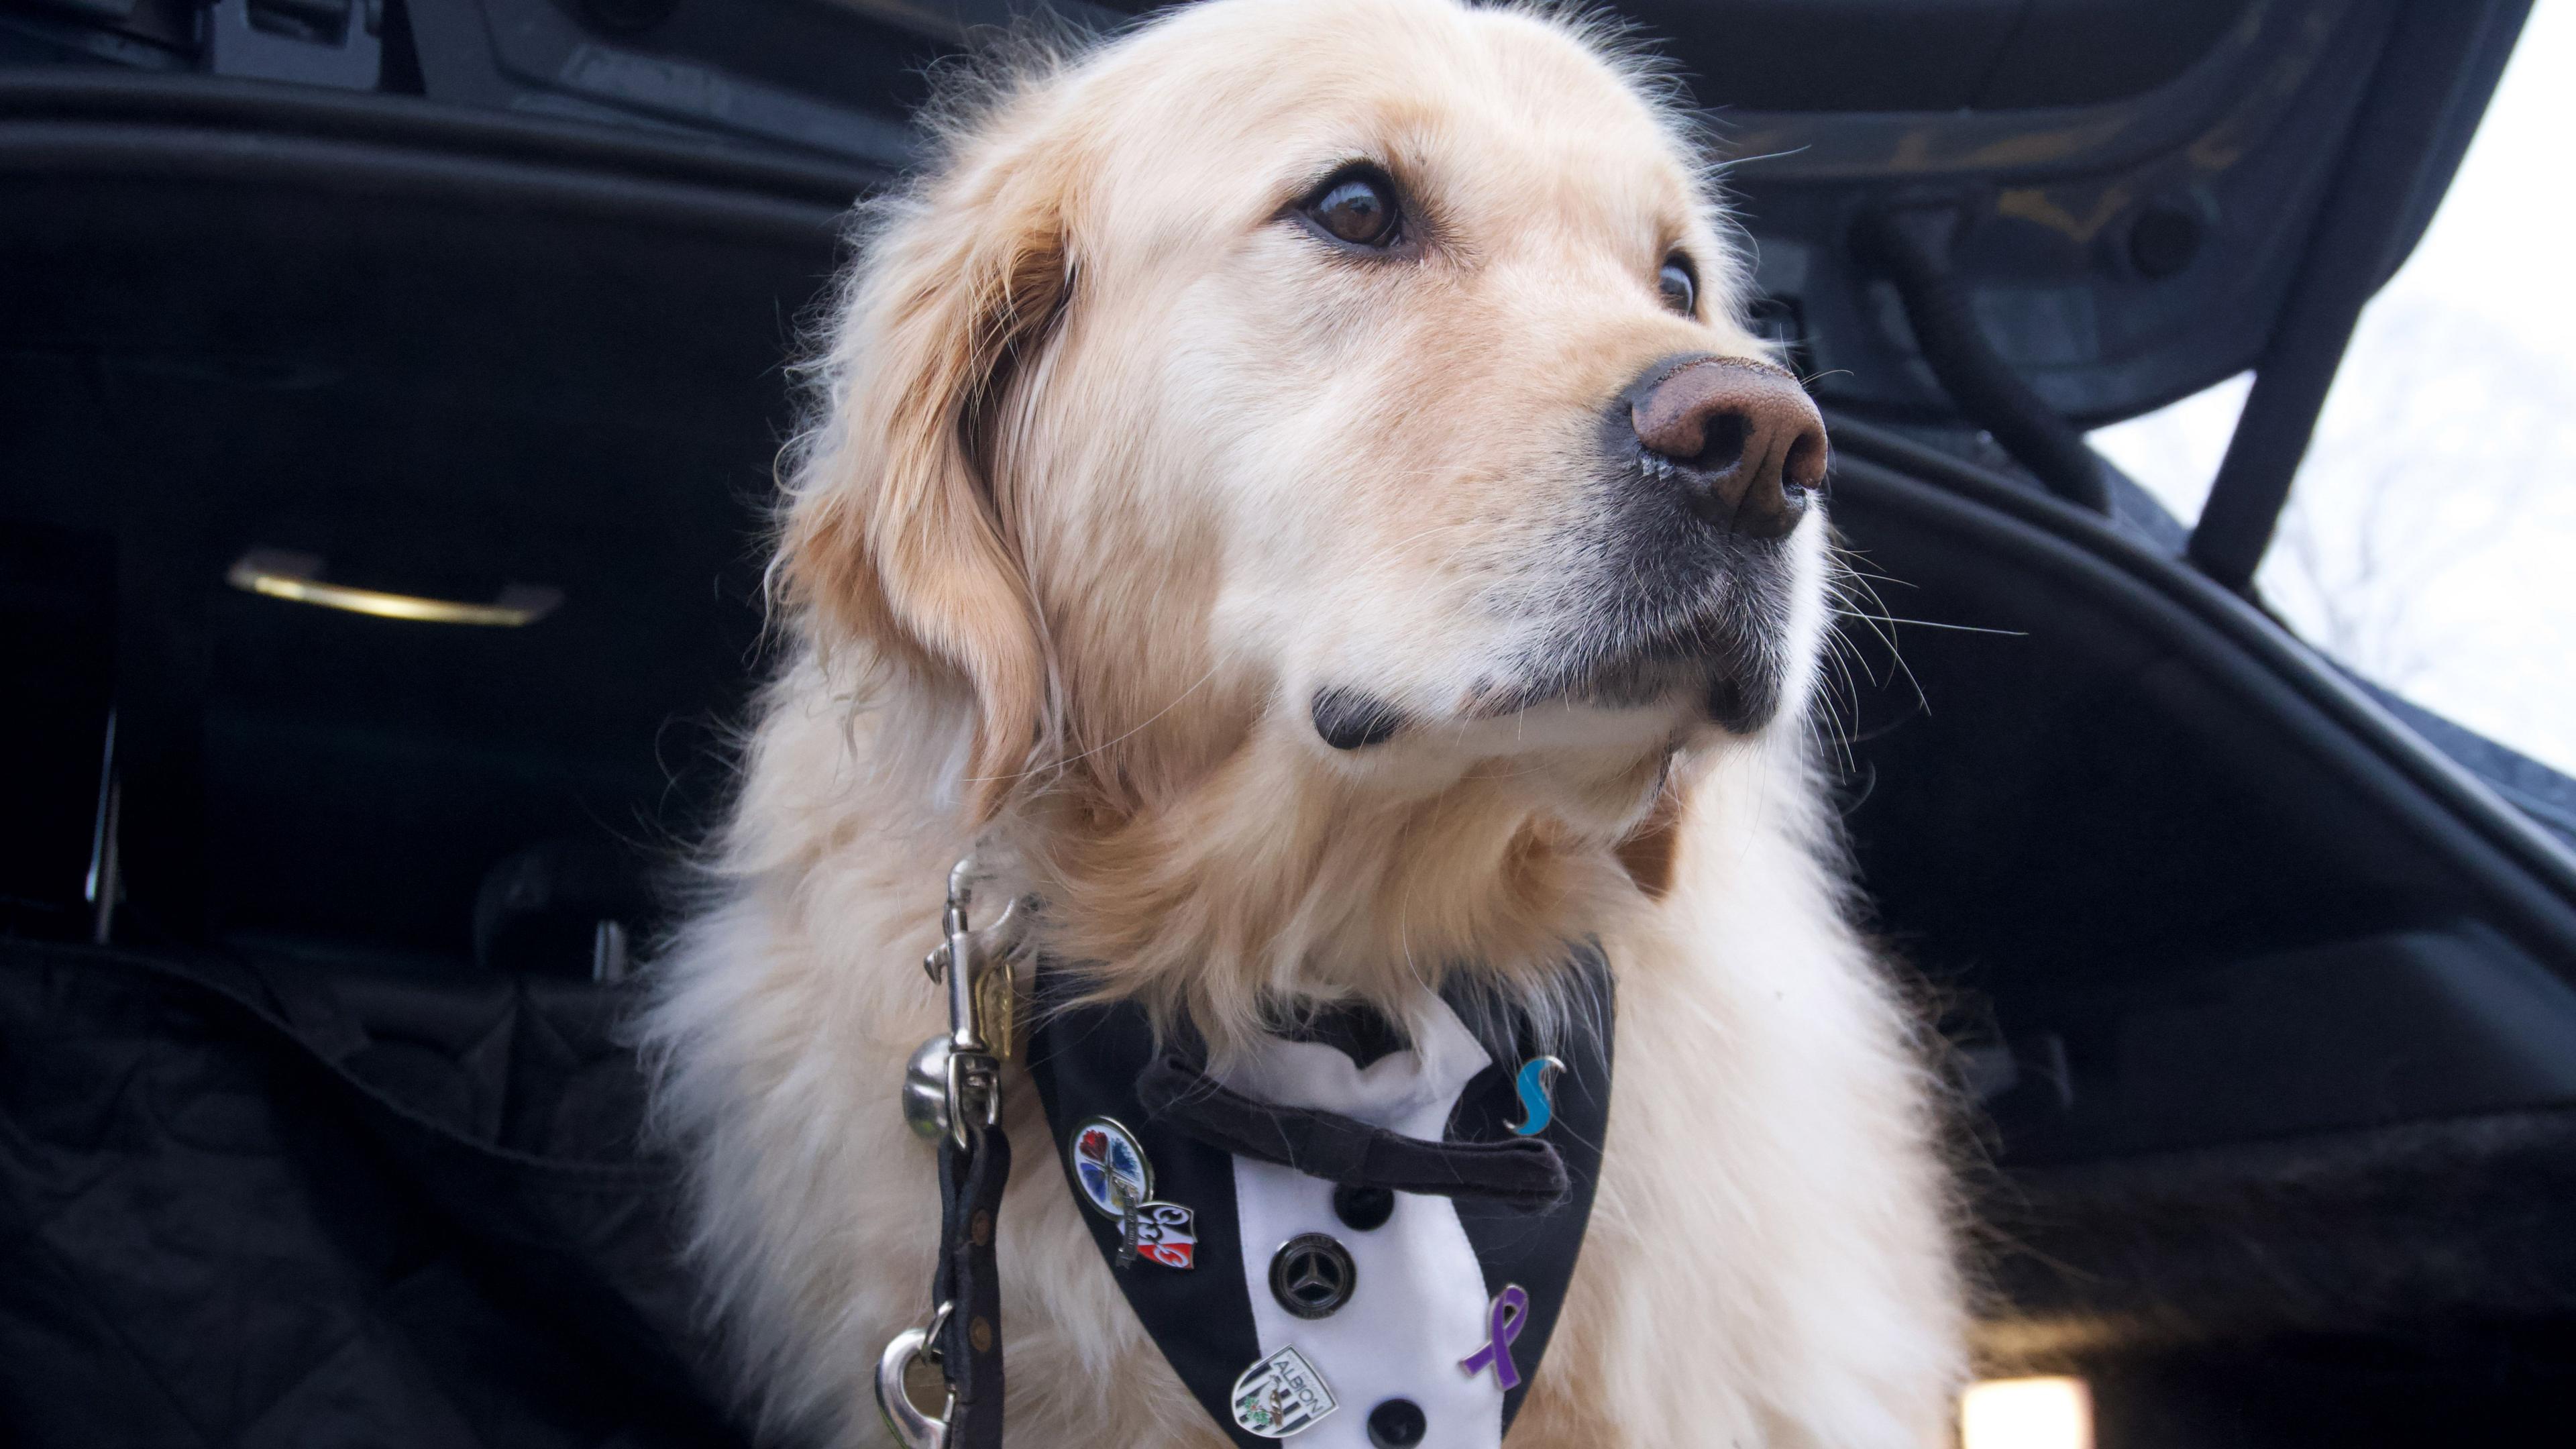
281, 1203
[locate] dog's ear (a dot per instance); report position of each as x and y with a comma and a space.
897, 533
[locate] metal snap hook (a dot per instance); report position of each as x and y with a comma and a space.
912, 1428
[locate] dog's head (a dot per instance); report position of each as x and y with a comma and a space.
1360, 378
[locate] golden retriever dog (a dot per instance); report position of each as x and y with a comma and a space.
1291, 491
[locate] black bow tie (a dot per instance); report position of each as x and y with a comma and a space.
1519, 1172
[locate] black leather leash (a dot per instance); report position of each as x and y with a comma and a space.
953, 1091
970, 1282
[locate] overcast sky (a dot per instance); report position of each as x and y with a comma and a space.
2432, 536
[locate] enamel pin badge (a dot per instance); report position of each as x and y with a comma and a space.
1536, 1081
1280, 1396
1503, 1320
1109, 1167
1159, 1232
1118, 1182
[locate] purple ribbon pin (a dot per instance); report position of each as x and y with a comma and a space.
1502, 1327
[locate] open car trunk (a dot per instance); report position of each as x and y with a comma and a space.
331, 1141
319, 922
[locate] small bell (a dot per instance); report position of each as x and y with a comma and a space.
925, 1089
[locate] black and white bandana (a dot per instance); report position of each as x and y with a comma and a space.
1352, 1313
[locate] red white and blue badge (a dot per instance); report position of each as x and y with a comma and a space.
1280, 1396
1163, 1232
1110, 1168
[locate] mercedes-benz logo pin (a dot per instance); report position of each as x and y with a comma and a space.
1312, 1275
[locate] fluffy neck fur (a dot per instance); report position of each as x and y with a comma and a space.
1268, 880
1278, 881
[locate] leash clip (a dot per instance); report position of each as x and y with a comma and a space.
912, 1428
952, 1090
954, 1082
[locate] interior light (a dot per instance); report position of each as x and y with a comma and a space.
295, 577
2037, 1413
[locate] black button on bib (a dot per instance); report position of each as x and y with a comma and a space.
1363, 1209
1397, 1424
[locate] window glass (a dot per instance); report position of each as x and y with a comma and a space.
2430, 542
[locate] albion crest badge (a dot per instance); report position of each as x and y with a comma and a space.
1110, 1167
1280, 1396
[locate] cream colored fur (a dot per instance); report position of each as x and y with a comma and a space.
1112, 469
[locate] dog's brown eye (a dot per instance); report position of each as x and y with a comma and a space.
1679, 285
1357, 206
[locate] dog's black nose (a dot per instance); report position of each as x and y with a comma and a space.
1738, 437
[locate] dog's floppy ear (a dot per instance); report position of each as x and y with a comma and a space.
897, 535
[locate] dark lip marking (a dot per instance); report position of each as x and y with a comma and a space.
1740, 705
1352, 719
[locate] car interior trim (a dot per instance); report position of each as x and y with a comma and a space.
2439, 63
2233, 641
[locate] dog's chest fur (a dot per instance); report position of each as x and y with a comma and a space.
1768, 1262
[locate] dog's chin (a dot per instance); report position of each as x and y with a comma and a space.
1736, 690
1626, 703
1714, 670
